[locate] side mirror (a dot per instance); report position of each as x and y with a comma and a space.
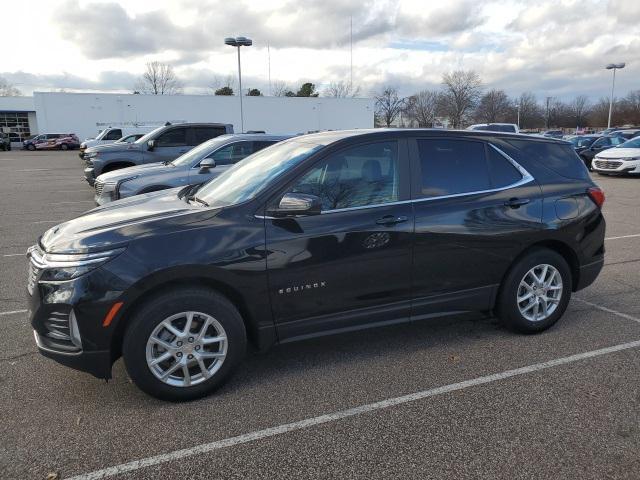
151, 144
207, 164
293, 204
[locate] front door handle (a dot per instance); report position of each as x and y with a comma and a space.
516, 202
391, 220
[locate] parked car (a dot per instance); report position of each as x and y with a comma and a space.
318, 234
5, 141
163, 144
207, 160
623, 159
130, 138
59, 141
617, 129
112, 134
627, 133
553, 133
603, 143
495, 127
40, 141
581, 143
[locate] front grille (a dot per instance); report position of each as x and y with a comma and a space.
99, 187
607, 164
88, 163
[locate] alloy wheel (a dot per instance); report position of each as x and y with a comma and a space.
539, 293
186, 349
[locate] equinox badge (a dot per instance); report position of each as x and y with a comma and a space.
300, 288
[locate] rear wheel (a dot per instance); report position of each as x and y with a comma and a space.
64, 146
31, 147
536, 292
182, 345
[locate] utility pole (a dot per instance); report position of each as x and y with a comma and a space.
269, 57
351, 53
547, 120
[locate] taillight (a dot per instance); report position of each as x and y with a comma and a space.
597, 195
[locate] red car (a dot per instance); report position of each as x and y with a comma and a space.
59, 141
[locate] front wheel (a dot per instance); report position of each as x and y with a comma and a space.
64, 146
536, 292
31, 147
183, 344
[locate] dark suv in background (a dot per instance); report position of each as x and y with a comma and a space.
318, 234
160, 145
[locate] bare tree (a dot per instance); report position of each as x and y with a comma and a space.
599, 113
494, 106
530, 112
422, 108
579, 110
341, 89
281, 89
222, 84
388, 105
462, 91
159, 79
631, 107
7, 89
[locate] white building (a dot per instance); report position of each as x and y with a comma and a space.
86, 113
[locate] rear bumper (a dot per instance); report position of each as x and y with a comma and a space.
589, 273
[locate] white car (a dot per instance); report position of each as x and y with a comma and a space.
111, 134
621, 160
495, 127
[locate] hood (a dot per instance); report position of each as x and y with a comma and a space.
619, 153
114, 147
118, 223
147, 169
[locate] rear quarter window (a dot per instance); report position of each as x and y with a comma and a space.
560, 158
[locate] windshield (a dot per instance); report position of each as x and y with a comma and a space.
581, 141
148, 136
250, 176
634, 143
198, 153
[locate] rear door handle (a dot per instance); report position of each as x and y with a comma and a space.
516, 202
391, 220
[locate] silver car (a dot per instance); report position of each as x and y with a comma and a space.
204, 162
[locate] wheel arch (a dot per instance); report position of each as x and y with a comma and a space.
561, 248
163, 281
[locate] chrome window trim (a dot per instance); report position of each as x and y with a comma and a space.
526, 178
197, 164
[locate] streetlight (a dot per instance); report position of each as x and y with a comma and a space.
614, 67
239, 42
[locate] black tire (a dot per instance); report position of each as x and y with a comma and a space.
507, 305
160, 307
31, 147
64, 146
9, 147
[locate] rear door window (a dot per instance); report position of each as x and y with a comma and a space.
501, 170
451, 166
202, 134
262, 144
176, 137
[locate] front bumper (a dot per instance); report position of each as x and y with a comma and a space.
90, 297
89, 175
616, 166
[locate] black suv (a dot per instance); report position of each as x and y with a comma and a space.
318, 234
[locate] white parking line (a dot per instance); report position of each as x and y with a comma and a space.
47, 221
609, 310
623, 236
342, 414
13, 254
13, 312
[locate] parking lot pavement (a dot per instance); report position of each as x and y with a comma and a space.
487, 403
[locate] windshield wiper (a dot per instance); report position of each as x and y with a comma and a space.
197, 200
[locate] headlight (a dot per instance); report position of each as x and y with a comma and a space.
60, 267
91, 155
632, 158
120, 182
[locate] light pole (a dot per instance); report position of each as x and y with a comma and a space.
239, 42
614, 67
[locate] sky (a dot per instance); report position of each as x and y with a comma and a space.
552, 48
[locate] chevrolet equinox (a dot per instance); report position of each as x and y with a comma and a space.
325, 233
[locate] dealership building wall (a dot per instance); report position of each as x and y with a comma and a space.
86, 113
